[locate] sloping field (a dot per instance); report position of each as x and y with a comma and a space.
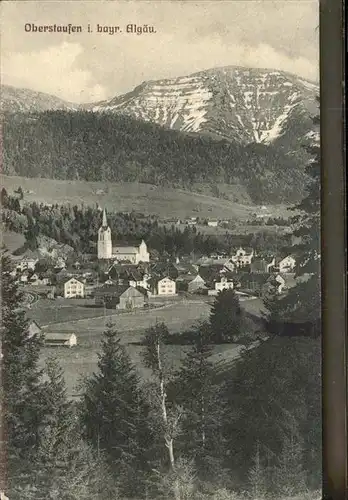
125, 197
12, 241
81, 360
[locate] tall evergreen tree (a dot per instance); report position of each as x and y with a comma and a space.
289, 476
258, 476
65, 466
279, 377
302, 302
198, 394
226, 317
113, 412
23, 392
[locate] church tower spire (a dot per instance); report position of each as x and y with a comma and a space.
104, 239
105, 222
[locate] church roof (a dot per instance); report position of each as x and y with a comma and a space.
105, 222
124, 250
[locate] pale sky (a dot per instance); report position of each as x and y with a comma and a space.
191, 36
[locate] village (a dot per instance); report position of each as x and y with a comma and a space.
126, 278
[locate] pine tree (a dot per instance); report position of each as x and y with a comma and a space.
258, 477
114, 413
226, 317
302, 302
289, 477
198, 394
64, 465
21, 376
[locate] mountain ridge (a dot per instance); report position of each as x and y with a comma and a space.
232, 103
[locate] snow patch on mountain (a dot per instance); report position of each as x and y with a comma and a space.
243, 104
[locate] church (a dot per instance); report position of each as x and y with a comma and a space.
106, 250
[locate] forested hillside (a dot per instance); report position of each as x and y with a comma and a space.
104, 147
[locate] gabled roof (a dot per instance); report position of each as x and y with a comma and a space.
188, 278
187, 267
58, 336
73, 278
114, 290
156, 279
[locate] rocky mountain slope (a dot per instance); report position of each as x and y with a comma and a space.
229, 125
18, 100
246, 105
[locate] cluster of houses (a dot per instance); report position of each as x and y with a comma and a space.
122, 284
194, 221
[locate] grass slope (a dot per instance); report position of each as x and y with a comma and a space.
12, 241
81, 360
128, 196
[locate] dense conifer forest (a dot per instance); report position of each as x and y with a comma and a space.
107, 147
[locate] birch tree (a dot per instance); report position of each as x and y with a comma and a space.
169, 415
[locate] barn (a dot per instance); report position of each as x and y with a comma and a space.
53, 339
122, 297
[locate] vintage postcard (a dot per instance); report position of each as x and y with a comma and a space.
160, 276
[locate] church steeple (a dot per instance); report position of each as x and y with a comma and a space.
104, 239
105, 222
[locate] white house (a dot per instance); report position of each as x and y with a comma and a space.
74, 288
213, 223
287, 265
242, 257
27, 263
143, 282
224, 284
163, 286
24, 277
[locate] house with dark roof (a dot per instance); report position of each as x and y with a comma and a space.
120, 297
165, 269
186, 268
53, 339
253, 282
259, 265
191, 284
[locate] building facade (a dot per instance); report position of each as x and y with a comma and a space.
74, 288
163, 286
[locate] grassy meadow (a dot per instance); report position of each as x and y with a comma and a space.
81, 360
144, 198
